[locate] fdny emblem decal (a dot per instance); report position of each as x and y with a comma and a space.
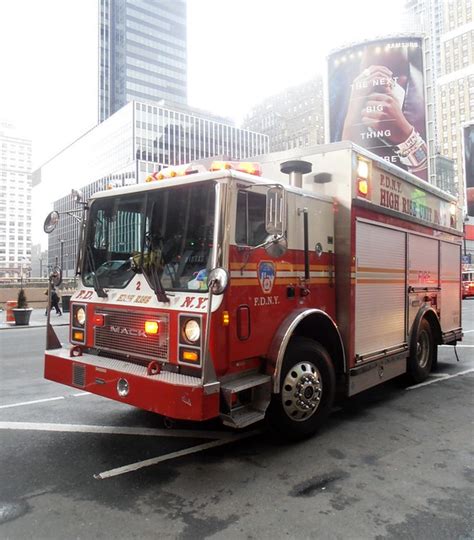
266, 276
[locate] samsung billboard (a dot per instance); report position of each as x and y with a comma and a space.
469, 167
376, 99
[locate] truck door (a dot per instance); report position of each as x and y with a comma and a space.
450, 286
423, 274
380, 289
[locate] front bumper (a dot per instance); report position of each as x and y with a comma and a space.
170, 394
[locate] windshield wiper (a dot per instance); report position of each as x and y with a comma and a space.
145, 264
153, 277
95, 278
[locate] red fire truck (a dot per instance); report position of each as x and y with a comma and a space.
467, 280
225, 294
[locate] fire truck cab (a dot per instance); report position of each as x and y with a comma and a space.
222, 294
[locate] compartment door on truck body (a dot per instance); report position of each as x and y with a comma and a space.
423, 272
450, 286
380, 288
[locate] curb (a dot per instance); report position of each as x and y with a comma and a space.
6, 326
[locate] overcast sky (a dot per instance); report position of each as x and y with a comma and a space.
240, 51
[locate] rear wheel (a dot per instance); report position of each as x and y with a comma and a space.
307, 386
422, 356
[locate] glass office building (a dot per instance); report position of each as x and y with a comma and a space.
15, 202
124, 149
142, 53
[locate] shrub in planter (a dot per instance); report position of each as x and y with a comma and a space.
22, 302
22, 312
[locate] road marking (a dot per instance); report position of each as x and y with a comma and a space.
31, 402
44, 400
463, 346
467, 331
116, 430
440, 378
173, 455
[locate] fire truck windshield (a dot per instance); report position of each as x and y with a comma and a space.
166, 234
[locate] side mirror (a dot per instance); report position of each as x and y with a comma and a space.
51, 222
217, 281
275, 213
276, 247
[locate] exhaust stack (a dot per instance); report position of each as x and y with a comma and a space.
295, 169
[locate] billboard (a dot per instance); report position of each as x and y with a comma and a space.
376, 99
469, 167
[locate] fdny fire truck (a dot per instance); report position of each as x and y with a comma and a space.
250, 292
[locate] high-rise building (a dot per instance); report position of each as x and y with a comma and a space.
139, 139
39, 262
293, 118
142, 53
456, 84
15, 202
426, 17
449, 51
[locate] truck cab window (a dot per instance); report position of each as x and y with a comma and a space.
250, 226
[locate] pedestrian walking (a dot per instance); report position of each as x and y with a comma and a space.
54, 302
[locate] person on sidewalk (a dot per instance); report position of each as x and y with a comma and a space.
54, 302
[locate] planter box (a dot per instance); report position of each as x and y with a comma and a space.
22, 316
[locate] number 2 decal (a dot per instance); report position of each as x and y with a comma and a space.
139, 285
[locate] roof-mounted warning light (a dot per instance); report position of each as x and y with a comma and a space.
185, 170
249, 167
172, 172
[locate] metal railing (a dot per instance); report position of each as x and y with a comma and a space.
29, 283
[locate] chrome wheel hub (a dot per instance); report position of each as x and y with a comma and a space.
301, 391
422, 350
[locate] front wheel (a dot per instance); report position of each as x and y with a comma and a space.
307, 387
422, 356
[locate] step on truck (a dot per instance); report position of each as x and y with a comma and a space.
261, 291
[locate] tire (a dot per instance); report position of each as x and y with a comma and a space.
422, 358
307, 367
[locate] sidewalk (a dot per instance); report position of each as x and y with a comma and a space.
38, 318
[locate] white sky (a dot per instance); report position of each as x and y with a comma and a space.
239, 52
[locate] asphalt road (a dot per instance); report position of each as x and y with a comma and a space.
390, 463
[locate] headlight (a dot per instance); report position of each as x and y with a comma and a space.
81, 316
192, 331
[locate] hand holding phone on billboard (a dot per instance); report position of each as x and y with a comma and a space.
377, 101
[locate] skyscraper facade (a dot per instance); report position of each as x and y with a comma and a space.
293, 118
142, 53
449, 45
456, 84
426, 16
15, 202
123, 150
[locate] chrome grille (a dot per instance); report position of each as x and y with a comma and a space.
123, 332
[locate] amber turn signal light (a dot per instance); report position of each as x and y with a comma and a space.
191, 356
151, 327
78, 335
